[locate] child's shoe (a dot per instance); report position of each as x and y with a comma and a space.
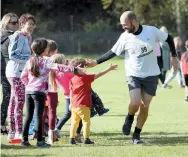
50, 137
25, 143
42, 144
4, 131
104, 111
18, 135
72, 141
11, 135
88, 141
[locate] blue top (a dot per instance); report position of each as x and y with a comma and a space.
19, 52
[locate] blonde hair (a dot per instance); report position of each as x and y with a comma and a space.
59, 59
52, 46
6, 19
177, 42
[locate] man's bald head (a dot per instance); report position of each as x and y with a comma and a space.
129, 22
127, 15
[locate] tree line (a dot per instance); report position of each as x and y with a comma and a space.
101, 15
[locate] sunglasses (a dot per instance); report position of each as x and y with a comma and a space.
14, 22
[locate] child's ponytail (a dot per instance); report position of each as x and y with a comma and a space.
35, 67
38, 47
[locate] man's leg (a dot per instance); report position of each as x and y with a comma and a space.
142, 117
135, 96
149, 87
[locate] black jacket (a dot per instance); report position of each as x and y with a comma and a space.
4, 48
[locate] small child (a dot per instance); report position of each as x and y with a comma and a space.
35, 78
184, 62
80, 94
52, 95
63, 80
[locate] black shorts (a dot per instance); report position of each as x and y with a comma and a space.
186, 79
147, 84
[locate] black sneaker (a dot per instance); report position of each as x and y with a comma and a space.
72, 141
93, 113
88, 141
136, 139
104, 111
127, 126
25, 143
42, 144
4, 131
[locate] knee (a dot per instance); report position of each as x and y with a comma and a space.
75, 124
68, 114
86, 122
52, 111
135, 105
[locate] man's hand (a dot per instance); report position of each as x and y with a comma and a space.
175, 64
91, 63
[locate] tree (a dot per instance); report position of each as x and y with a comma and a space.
171, 13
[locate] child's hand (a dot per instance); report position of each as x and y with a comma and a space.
113, 67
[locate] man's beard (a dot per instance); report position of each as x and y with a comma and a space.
133, 29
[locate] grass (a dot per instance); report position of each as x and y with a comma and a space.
165, 132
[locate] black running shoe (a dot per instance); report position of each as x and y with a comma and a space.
25, 144
4, 132
127, 126
42, 144
88, 141
136, 139
72, 141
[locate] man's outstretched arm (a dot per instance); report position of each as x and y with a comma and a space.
108, 55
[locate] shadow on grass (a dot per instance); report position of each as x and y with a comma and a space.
4, 146
24, 155
108, 115
149, 138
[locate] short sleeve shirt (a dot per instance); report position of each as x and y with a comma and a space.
140, 51
80, 87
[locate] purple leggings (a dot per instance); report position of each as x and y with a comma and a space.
16, 103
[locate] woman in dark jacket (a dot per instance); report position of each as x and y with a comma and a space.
9, 24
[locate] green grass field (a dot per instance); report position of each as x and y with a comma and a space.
164, 134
